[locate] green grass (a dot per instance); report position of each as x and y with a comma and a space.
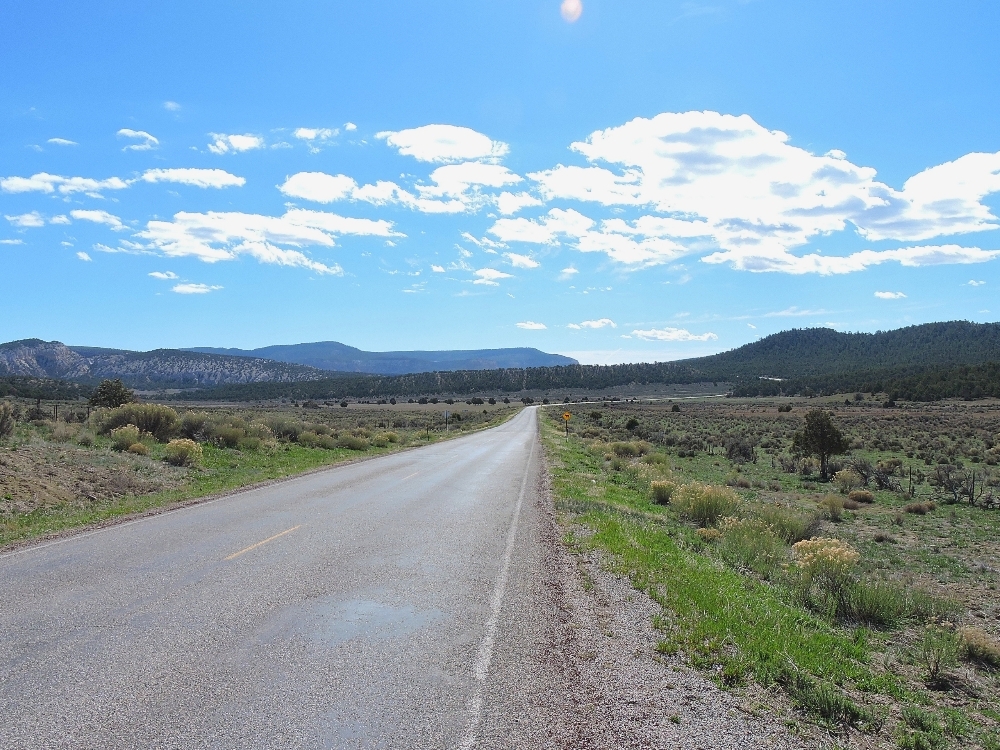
221, 470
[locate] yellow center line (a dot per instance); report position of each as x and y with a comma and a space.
411, 475
269, 539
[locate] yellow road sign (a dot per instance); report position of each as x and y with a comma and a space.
566, 415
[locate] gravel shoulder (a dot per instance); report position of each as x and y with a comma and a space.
595, 681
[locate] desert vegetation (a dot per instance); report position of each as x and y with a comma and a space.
68, 463
865, 594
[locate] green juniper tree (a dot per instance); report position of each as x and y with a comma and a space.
113, 393
820, 438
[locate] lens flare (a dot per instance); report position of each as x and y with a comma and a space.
571, 10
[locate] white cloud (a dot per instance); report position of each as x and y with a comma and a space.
672, 334
32, 219
489, 276
194, 288
567, 273
511, 203
217, 236
521, 261
99, 217
794, 312
976, 283
44, 182
203, 178
571, 10
60, 219
83, 256
315, 136
318, 186
164, 275
171, 106
530, 325
890, 295
593, 324
349, 126
725, 181
62, 142
11, 242
223, 143
146, 141
751, 325
444, 143
456, 188
437, 269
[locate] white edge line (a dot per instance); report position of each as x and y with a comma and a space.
484, 657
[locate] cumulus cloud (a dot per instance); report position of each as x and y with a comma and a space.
976, 283
44, 182
521, 261
60, 219
510, 203
489, 276
600, 323
11, 242
99, 217
62, 142
530, 325
437, 269
724, 182
171, 106
349, 126
203, 178
28, 220
194, 288
83, 256
224, 144
444, 143
218, 236
456, 188
567, 273
145, 141
672, 334
314, 137
890, 295
164, 275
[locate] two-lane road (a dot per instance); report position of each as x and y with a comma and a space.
362, 606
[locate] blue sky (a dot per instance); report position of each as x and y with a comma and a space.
617, 181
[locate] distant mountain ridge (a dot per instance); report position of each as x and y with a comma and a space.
159, 368
337, 357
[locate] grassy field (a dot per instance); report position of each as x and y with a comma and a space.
57, 474
884, 630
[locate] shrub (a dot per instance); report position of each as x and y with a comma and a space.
63, 433
825, 566
182, 452
820, 698
937, 651
709, 535
861, 496
6, 420
250, 444
284, 429
159, 421
847, 480
392, 437
750, 544
124, 437
353, 443
788, 524
313, 440
85, 439
192, 424
625, 450
881, 604
705, 504
226, 436
920, 509
979, 647
851, 504
833, 505
138, 449
662, 490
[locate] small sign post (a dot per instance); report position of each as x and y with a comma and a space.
566, 417
446, 420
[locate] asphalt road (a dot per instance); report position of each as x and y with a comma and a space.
385, 604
